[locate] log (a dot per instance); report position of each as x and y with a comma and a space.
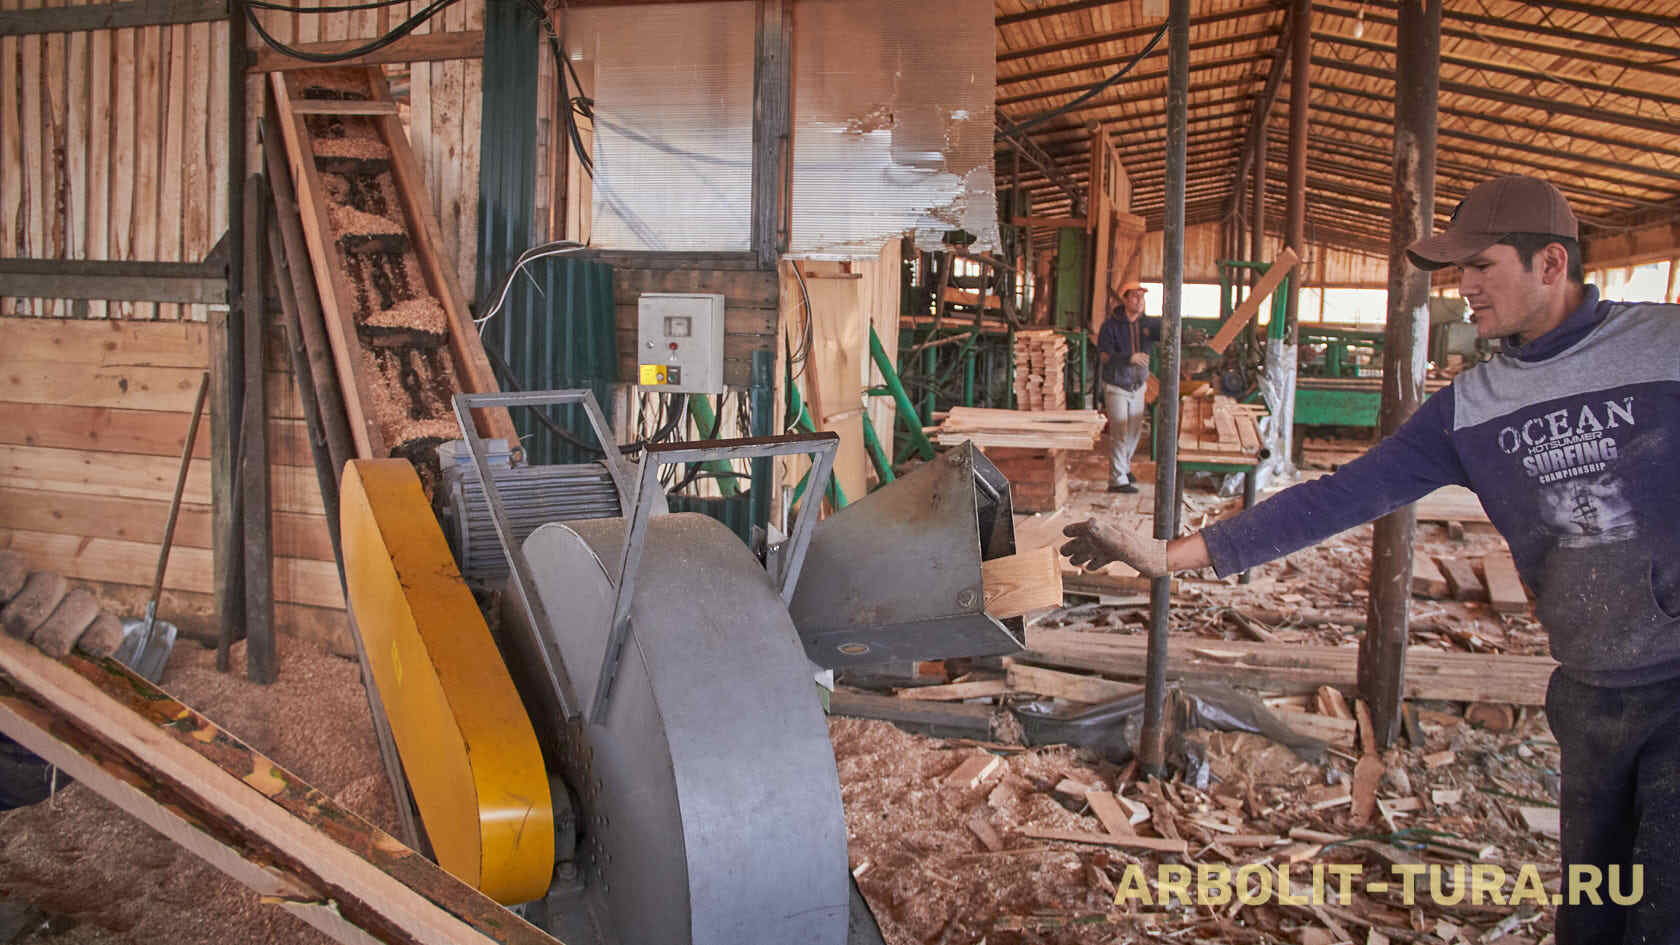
180, 774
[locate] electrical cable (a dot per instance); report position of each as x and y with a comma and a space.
398, 32
1014, 129
342, 8
694, 468
540, 251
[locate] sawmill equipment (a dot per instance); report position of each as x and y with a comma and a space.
667, 683
901, 576
639, 751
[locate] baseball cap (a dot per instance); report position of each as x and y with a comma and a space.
1491, 211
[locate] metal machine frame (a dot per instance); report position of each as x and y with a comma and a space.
639, 501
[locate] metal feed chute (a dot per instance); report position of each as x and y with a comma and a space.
896, 576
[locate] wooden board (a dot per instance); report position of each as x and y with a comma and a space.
955, 692
1073, 687
115, 430
949, 720
1283, 265
1463, 677
189, 779
837, 365
1461, 579
297, 580
295, 535
109, 343
1133, 842
1021, 583
1427, 579
139, 477
1504, 586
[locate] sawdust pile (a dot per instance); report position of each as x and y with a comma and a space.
104, 877
423, 315
349, 220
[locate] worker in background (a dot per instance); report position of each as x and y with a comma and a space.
1571, 437
1125, 341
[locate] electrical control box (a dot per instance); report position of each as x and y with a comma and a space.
679, 342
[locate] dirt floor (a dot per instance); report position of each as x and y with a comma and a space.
956, 863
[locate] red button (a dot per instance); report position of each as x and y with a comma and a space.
673, 346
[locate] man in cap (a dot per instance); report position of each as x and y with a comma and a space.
1125, 341
1571, 438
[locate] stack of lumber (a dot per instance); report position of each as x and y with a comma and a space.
1040, 370
1218, 430
1041, 429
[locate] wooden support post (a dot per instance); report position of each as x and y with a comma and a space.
772, 130
1152, 747
227, 369
260, 658
1300, 84
1382, 652
291, 250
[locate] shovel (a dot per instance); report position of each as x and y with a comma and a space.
148, 641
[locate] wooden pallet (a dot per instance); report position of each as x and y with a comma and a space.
318, 104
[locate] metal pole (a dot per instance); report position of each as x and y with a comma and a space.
1280, 357
1257, 212
1382, 653
1152, 750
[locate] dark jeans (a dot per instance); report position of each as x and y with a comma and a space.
1621, 805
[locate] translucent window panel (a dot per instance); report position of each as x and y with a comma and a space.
892, 123
673, 90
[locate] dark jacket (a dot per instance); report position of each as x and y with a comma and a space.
1118, 340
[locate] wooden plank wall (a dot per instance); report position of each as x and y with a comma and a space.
441, 113
1327, 265
111, 147
97, 414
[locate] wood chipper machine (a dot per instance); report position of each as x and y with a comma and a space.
629, 738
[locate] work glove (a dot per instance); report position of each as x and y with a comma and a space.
1140, 359
1095, 545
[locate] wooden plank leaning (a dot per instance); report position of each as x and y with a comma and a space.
194, 782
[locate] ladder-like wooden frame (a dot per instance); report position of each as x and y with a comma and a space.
472, 367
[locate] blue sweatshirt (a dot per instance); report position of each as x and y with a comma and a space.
1572, 442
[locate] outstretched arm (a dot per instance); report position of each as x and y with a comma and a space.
1415, 461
